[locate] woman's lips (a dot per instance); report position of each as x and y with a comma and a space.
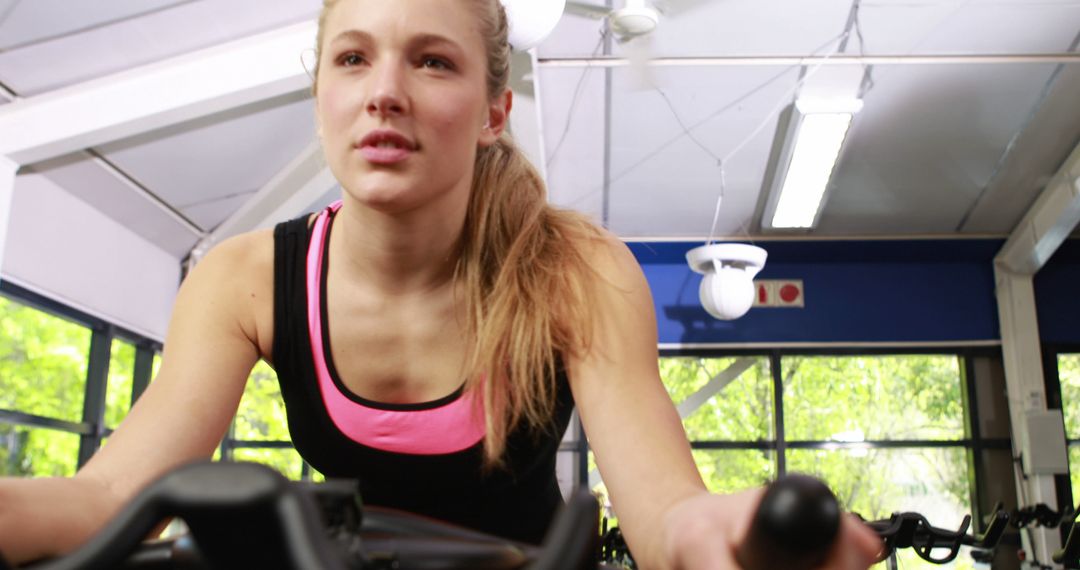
385, 155
385, 146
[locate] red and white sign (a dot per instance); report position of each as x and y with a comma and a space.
779, 293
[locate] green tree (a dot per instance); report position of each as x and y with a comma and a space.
43, 363
1069, 377
261, 417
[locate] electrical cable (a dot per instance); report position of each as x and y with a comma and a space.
577, 93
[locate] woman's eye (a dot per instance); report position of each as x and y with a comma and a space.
437, 63
350, 59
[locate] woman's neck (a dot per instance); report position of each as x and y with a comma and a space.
398, 254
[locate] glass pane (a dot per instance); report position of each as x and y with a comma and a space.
856, 398
286, 461
878, 482
121, 378
37, 452
261, 416
1069, 375
43, 362
731, 470
740, 407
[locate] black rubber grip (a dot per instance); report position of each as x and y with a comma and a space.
242, 515
794, 527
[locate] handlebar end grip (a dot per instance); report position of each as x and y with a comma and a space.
794, 527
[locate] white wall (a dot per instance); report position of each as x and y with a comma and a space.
62, 248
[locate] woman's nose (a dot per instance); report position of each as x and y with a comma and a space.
388, 92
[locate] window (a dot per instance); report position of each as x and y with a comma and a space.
260, 432
1068, 365
886, 432
43, 362
727, 406
65, 379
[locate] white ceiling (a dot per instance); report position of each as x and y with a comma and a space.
956, 145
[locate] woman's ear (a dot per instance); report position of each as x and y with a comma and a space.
498, 118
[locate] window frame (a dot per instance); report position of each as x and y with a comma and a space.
91, 429
1052, 384
974, 443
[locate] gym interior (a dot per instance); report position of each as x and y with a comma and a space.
912, 339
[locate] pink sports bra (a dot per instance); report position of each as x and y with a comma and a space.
448, 425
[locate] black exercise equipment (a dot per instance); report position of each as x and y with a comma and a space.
247, 515
794, 527
244, 515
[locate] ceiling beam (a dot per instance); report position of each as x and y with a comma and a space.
150, 97
1049, 221
288, 194
813, 60
1034, 240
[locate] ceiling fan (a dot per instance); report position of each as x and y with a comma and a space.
635, 19
633, 26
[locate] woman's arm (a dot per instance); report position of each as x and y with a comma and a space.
668, 517
210, 348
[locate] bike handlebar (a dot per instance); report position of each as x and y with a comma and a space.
248, 515
794, 527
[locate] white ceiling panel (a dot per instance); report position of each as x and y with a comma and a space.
207, 168
728, 27
928, 140
155, 36
905, 27
665, 176
573, 129
1036, 156
86, 179
750, 27
24, 22
574, 36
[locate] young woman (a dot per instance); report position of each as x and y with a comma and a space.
431, 332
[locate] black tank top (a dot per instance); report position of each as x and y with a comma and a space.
516, 501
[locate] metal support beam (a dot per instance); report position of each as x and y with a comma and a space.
8, 169
144, 369
714, 386
1049, 222
156, 95
814, 60
699, 398
1022, 356
97, 382
288, 194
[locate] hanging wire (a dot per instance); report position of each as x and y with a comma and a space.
577, 93
868, 84
783, 102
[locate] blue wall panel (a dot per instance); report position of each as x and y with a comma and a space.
865, 291
1057, 294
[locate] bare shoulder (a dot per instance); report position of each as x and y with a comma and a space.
239, 272
613, 261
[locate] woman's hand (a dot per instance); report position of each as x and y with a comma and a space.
703, 532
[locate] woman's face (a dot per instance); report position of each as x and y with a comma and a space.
402, 102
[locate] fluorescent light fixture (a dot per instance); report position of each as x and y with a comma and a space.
807, 157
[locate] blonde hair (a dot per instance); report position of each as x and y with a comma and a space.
524, 278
